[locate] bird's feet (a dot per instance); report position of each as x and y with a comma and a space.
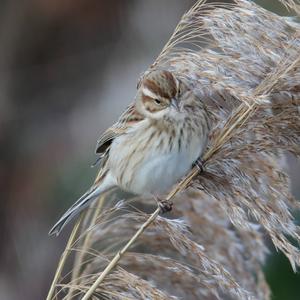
165, 205
199, 164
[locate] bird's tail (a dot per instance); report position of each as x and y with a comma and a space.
92, 194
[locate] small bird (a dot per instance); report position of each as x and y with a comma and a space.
155, 142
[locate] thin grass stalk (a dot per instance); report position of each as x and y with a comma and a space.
63, 258
173, 40
86, 244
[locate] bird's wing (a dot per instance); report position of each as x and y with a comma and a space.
129, 117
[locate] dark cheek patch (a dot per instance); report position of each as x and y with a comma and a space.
146, 99
151, 107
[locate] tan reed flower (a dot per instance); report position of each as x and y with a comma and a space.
243, 62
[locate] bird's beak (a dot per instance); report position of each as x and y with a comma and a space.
174, 103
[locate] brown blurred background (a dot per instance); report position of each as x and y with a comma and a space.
67, 70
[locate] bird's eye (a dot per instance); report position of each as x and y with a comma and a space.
157, 101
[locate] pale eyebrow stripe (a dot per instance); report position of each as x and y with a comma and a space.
149, 93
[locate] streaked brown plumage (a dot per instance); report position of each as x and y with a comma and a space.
154, 143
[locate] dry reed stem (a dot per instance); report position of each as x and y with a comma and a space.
63, 259
86, 244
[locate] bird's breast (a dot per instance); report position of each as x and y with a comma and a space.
150, 161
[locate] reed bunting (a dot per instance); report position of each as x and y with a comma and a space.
154, 143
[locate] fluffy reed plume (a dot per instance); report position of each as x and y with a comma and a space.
243, 61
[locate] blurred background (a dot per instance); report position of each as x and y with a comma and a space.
67, 70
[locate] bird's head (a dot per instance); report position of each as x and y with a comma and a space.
158, 94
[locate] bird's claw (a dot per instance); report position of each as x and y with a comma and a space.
165, 205
199, 164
